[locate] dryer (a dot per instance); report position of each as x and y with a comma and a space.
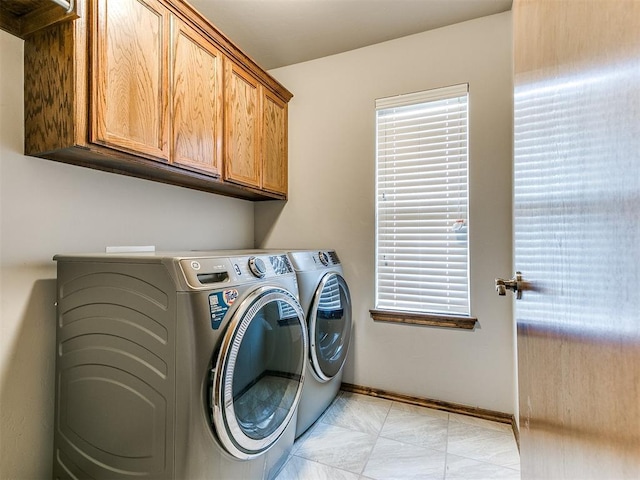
177, 366
325, 296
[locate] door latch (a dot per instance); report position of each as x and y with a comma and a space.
515, 285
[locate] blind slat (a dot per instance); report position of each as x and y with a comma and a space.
453, 91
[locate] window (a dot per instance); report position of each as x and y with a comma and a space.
422, 202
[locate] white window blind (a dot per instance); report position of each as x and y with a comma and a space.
421, 202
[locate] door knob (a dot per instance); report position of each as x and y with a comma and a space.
515, 285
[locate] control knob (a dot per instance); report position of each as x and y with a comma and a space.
257, 267
324, 259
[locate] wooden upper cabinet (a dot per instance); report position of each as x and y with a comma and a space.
196, 115
129, 84
150, 88
274, 143
242, 127
255, 133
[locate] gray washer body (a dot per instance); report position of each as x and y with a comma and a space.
134, 348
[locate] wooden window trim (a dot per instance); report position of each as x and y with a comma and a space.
429, 319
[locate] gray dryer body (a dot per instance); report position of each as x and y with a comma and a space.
325, 298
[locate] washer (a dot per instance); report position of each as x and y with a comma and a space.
324, 295
177, 366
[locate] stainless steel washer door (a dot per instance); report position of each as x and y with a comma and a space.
329, 326
258, 375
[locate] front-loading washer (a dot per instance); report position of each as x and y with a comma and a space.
325, 296
177, 366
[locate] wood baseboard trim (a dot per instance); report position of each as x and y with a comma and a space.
516, 430
435, 404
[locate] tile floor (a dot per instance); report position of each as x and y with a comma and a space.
362, 437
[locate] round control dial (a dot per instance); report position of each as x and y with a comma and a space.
324, 259
257, 267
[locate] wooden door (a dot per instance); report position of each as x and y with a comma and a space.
577, 236
274, 143
242, 127
196, 100
130, 76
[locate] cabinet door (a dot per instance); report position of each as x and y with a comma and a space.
274, 143
130, 76
196, 100
242, 127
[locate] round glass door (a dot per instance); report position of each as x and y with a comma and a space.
330, 326
257, 378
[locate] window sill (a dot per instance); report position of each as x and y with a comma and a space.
428, 319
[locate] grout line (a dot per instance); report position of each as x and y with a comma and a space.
379, 435
446, 447
309, 433
485, 462
376, 440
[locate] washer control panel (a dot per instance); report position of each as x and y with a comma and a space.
211, 272
281, 264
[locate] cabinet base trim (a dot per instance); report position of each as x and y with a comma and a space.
134, 166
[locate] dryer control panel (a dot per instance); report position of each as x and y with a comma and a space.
314, 259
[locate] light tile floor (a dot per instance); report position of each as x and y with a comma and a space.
362, 437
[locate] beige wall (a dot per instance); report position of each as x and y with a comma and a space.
48, 208
331, 178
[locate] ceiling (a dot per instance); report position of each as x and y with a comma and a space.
276, 33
